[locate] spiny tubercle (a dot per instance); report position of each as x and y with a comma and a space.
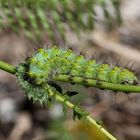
47, 63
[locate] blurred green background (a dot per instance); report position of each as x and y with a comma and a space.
108, 30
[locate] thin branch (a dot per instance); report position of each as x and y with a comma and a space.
99, 84
7, 67
88, 117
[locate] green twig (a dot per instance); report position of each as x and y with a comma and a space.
7, 67
88, 117
99, 84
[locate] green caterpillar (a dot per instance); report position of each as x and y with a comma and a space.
48, 63
38, 74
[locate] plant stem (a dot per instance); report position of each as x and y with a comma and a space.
11, 69
99, 84
7, 67
89, 118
